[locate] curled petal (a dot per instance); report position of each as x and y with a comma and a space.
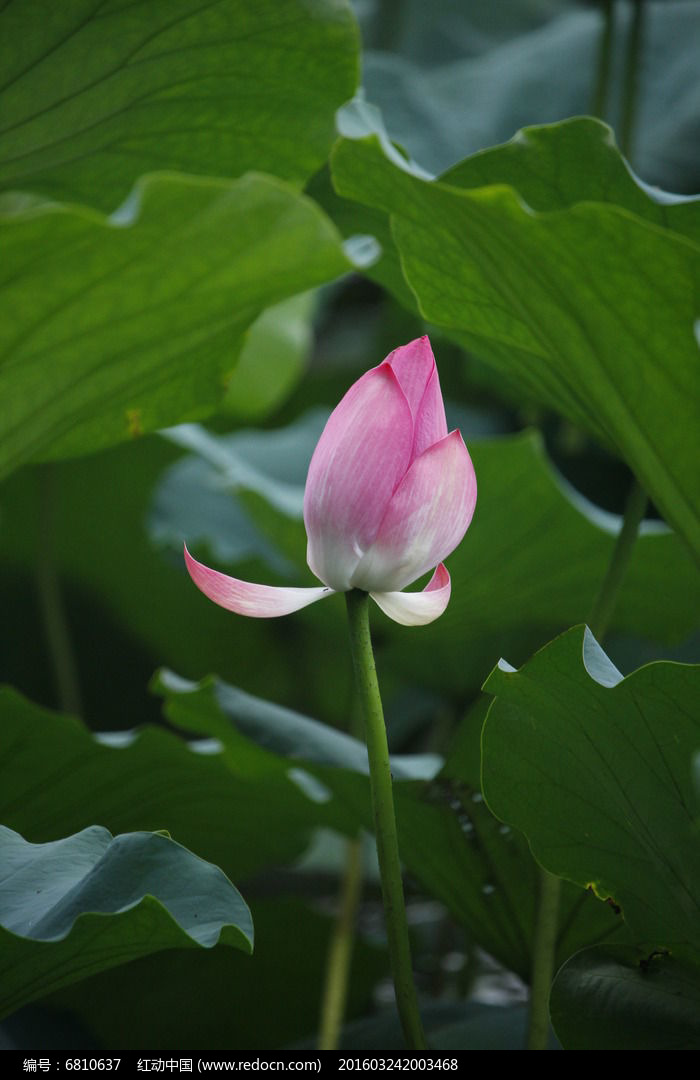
246, 598
426, 518
360, 458
418, 608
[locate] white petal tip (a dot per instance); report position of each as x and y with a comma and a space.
421, 608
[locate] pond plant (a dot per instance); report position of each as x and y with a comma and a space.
215, 219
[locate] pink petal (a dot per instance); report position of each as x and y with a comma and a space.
430, 424
364, 451
245, 598
418, 609
427, 517
414, 365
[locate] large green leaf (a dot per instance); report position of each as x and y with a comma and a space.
248, 811
272, 359
552, 167
58, 778
596, 771
617, 997
497, 864
96, 94
77, 906
589, 309
115, 327
356, 120
556, 166
449, 840
484, 873
248, 1003
255, 793
534, 62
212, 708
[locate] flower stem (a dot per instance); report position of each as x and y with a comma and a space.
543, 958
546, 920
384, 819
630, 89
340, 949
600, 93
604, 603
51, 600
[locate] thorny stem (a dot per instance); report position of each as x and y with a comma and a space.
384, 819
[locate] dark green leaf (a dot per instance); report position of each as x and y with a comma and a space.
210, 707
617, 997
449, 840
596, 771
57, 778
77, 906
248, 1003
247, 808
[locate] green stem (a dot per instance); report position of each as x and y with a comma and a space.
384, 819
631, 79
604, 603
547, 917
51, 600
388, 25
600, 94
342, 939
340, 950
543, 959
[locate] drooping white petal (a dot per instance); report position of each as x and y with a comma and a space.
247, 598
419, 608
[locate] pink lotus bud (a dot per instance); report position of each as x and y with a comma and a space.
389, 495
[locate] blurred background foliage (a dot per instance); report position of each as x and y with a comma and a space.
232, 285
